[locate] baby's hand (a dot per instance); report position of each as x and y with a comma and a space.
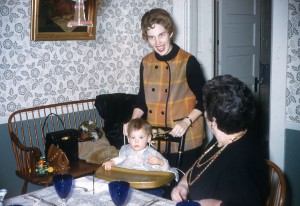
107, 165
152, 160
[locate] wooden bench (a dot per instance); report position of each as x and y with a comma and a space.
28, 141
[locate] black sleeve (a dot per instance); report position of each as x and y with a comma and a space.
195, 80
141, 101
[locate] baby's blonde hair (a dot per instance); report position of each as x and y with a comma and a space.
137, 124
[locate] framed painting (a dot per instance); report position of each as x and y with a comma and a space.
49, 20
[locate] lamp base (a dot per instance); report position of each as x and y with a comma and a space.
80, 23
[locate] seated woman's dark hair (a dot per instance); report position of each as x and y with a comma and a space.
230, 102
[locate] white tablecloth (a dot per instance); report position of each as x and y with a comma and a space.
82, 195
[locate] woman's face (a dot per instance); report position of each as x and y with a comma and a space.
138, 139
159, 39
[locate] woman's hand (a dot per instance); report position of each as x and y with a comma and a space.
107, 165
180, 128
137, 113
210, 202
179, 193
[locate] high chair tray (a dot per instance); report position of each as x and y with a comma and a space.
138, 179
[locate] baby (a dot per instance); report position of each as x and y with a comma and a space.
138, 154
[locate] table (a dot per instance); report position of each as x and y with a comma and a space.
82, 194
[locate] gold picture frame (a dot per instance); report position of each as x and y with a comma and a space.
49, 21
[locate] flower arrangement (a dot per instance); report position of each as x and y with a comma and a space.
88, 129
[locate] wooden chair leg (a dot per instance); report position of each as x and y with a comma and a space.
24, 188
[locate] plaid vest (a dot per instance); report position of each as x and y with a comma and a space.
168, 96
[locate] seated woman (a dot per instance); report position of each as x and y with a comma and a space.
232, 170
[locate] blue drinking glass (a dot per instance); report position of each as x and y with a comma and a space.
118, 191
62, 185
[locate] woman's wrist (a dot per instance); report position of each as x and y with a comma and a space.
188, 120
183, 186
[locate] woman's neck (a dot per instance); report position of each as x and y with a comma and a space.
224, 139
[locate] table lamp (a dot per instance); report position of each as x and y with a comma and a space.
79, 16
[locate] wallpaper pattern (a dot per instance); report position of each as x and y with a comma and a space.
293, 69
45, 72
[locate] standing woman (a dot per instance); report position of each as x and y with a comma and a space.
171, 82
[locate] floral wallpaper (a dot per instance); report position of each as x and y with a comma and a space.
293, 67
45, 72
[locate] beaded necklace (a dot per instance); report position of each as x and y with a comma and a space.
210, 160
207, 163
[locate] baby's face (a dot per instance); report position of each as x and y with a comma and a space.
138, 139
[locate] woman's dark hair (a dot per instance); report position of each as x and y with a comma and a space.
137, 124
230, 102
157, 16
